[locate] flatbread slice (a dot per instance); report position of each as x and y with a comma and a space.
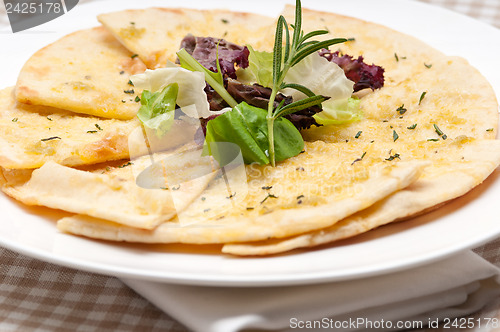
84, 72
423, 87
156, 33
34, 135
307, 192
458, 169
108, 191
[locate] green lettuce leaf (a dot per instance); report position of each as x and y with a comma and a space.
259, 70
157, 109
246, 126
337, 112
191, 88
321, 77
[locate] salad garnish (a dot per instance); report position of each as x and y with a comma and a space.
284, 58
260, 100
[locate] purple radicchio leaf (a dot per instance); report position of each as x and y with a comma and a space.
204, 50
364, 76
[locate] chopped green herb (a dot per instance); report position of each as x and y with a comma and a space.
133, 23
223, 20
91, 131
134, 56
250, 208
428, 66
231, 196
401, 109
300, 196
130, 82
131, 91
358, 134
98, 127
422, 97
122, 72
123, 101
14, 120
391, 158
268, 196
178, 187
438, 131
137, 99
395, 135
413, 126
432, 140
50, 139
398, 57
48, 118
489, 129
359, 159
125, 165
350, 39
267, 187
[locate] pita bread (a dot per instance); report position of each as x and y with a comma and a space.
478, 117
77, 139
156, 33
450, 108
350, 178
84, 72
456, 169
457, 106
307, 192
108, 191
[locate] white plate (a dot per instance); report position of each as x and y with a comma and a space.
462, 224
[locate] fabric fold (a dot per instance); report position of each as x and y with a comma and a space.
449, 288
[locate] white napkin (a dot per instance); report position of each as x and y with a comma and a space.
454, 287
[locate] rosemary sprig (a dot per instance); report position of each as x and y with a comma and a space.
297, 47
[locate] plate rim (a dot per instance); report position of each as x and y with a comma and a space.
253, 281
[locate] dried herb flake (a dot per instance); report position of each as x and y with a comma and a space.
267, 197
401, 109
395, 135
391, 158
50, 138
422, 97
